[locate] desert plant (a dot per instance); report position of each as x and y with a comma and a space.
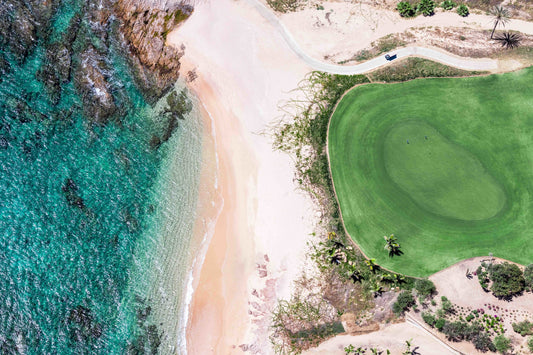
530, 344
448, 4
502, 344
509, 40
462, 10
284, 5
405, 9
483, 343
426, 7
523, 328
500, 15
440, 323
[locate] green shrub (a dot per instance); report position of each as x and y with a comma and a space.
523, 328
507, 280
469, 317
448, 4
483, 343
405, 9
528, 276
284, 5
462, 10
447, 306
502, 344
426, 7
530, 344
455, 331
429, 319
425, 287
403, 303
440, 323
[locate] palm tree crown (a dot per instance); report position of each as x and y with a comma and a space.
509, 40
500, 16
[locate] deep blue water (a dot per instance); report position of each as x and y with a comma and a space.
76, 199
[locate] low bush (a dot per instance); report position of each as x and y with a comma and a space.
440, 323
426, 7
403, 303
483, 343
502, 344
284, 5
429, 319
448, 4
523, 328
405, 9
530, 344
462, 10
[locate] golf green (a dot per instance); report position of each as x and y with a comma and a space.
444, 164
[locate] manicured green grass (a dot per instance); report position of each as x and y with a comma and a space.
444, 164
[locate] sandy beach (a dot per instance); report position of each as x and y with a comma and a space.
245, 69
261, 233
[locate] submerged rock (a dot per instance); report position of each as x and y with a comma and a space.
70, 190
145, 29
23, 22
91, 82
83, 326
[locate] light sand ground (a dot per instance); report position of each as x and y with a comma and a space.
245, 69
391, 337
344, 28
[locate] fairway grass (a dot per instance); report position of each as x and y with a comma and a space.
444, 164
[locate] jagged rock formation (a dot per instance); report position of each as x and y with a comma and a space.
20, 26
145, 29
98, 102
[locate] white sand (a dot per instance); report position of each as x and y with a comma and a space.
245, 69
354, 26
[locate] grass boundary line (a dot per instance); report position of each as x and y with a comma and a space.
352, 241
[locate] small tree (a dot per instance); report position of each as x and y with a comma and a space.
507, 280
462, 10
502, 344
426, 7
405, 9
448, 4
429, 319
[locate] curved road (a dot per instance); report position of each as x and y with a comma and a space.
448, 59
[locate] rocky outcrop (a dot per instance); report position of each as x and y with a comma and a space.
94, 88
145, 29
21, 25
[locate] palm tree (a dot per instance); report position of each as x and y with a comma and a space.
375, 288
500, 15
372, 264
509, 40
392, 245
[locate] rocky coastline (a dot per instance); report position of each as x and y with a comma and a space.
81, 53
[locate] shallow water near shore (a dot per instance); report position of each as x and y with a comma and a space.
96, 221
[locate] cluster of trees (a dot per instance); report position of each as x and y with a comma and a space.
460, 330
427, 8
424, 288
506, 280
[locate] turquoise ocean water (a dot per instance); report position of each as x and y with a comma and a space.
95, 223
